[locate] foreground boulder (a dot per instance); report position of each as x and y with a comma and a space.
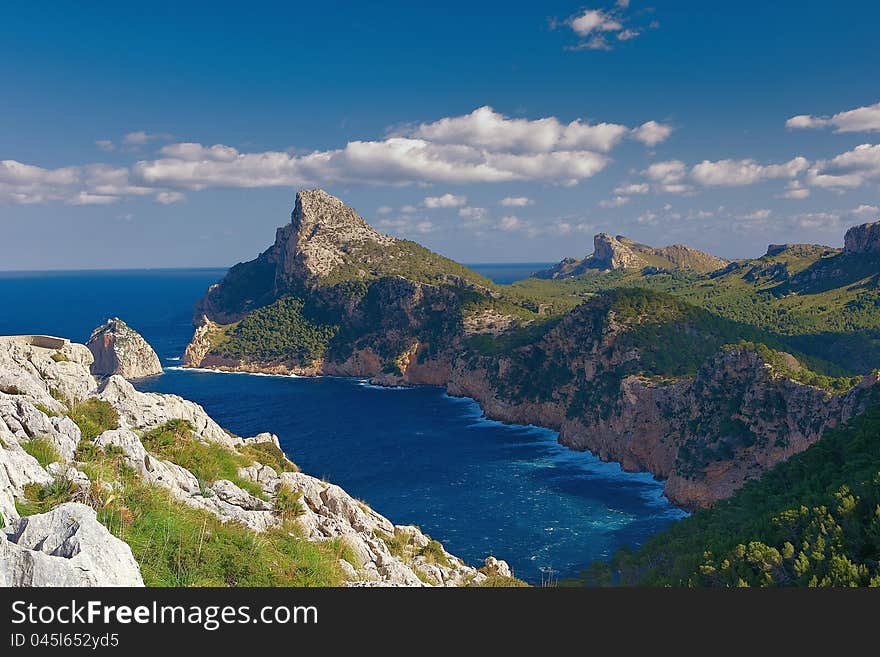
119, 349
65, 547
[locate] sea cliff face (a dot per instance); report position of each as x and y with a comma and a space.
69, 447
601, 373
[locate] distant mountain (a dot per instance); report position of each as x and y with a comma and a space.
613, 253
703, 371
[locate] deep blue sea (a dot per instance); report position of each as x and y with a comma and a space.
416, 455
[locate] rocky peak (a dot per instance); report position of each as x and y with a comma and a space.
611, 253
119, 349
323, 234
863, 239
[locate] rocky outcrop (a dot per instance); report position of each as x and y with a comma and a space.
200, 344
613, 253
119, 349
862, 239
320, 237
146, 410
65, 547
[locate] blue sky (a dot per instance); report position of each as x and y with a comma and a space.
160, 136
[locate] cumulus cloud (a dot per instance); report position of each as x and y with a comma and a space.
473, 213
511, 223
848, 170
384, 209
674, 176
483, 146
860, 119
516, 201
652, 133
595, 26
594, 20
795, 189
444, 201
735, 173
632, 188
486, 128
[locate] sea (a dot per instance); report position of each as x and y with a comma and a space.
416, 455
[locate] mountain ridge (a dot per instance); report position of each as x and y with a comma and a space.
639, 357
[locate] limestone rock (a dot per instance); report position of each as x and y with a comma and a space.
863, 239
65, 547
147, 410
119, 349
497, 567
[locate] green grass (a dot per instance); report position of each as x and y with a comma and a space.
94, 417
42, 449
175, 441
498, 581
269, 454
433, 553
45, 411
288, 503
40, 498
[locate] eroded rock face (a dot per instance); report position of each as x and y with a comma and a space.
863, 239
147, 410
119, 349
65, 547
321, 231
611, 253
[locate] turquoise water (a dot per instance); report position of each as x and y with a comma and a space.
415, 454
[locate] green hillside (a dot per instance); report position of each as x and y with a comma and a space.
813, 520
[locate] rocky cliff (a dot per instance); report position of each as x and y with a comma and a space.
614, 253
119, 349
863, 239
69, 447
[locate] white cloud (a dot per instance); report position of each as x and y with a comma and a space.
865, 211
407, 209
473, 213
384, 209
652, 133
194, 152
633, 188
795, 189
860, 119
594, 20
516, 201
139, 138
481, 147
511, 223
105, 145
848, 170
486, 128
615, 202
595, 26
757, 215
85, 198
167, 198
444, 201
734, 173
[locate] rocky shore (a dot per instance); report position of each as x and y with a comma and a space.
41, 388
